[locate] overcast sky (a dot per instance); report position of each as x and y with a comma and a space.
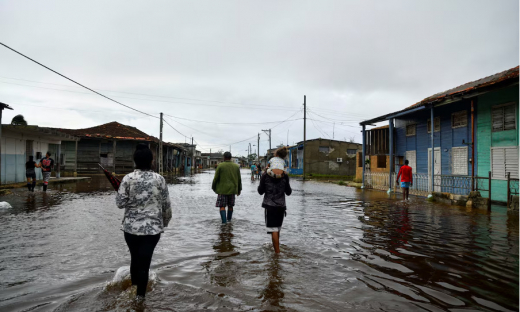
243, 64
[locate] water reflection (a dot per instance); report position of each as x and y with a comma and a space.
223, 270
273, 292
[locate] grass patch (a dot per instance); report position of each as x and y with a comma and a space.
341, 182
330, 177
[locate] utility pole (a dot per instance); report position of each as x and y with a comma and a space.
192, 154
160, 146
304, 131
268, 132
258, 154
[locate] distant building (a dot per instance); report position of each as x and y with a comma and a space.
323, 156
112, 145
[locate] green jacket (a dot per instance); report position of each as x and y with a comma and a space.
227, 179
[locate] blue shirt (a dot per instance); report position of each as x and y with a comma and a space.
253, 168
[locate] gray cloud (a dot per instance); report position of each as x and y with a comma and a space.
354, 60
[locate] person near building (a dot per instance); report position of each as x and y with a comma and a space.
144, 196
253, 171
406, 179
227, 183
30, 173
274, 186
46, 163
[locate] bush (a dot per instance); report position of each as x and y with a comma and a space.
341, 182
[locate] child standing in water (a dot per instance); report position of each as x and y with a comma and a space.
274, 185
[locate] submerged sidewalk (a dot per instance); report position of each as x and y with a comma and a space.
52, 180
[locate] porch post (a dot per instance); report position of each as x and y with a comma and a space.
391, 160
76, 161
432, 126
363, 155
114, 153
58, 161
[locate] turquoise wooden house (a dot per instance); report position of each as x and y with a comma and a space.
474, 132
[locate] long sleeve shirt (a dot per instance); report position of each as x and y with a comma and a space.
274, 190
145, 198
406, 174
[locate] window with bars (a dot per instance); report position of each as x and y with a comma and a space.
351, 151
504, 117
437, 124
459, 119
410, 130
459, 160
381, 161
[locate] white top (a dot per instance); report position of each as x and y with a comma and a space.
144, 196
277, 163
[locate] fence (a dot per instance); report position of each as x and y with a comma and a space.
454, 184
512, 188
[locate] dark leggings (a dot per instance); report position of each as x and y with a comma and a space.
141, 251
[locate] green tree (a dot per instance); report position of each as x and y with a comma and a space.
18, 120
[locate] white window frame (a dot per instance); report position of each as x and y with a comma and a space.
491, 162
436, 120
453, 149
414, 129
515, 106
465, 113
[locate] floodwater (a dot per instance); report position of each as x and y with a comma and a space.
342, 249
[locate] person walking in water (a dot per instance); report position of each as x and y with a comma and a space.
30, 173
144, 196
258, 170
274, 185
406, 179
46, 163
253, 171
226, 184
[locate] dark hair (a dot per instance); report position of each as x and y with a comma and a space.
281, 152
143, 157
406, 162
31, 158
48, 153
227, 155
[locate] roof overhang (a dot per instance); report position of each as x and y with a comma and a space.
440, 102
49, 133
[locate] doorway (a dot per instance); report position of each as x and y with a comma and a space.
436, 169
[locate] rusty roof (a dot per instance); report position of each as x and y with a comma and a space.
482, 84
472, 86
112, 130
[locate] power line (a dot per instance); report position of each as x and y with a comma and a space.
229, 123
129, 107
162, 96
174, 128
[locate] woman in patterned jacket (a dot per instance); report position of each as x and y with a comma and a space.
144, 196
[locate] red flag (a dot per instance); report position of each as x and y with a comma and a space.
113, 180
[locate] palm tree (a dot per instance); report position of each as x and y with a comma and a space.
18, 120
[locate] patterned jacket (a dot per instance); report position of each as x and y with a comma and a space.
274, 190
144, 196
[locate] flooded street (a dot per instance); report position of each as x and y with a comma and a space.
342, 249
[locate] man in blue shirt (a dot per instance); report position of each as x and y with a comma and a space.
253, 172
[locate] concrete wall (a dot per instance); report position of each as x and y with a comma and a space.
326, 162
14, 154
487, 139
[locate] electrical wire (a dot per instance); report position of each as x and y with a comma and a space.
129, 107
174, 128
228, 123
162, 96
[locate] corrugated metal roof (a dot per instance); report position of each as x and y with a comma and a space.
111, 130
474, 86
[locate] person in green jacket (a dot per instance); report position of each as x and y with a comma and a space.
227, 183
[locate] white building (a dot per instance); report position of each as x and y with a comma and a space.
20, 142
